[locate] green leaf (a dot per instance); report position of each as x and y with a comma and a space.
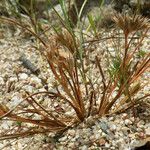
92, 23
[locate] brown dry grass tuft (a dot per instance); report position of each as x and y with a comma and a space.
74, 86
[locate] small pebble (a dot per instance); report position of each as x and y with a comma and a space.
28, 88
113, 127
124, 116
128, 122
84, 147
141, 135
63, 139
35, 80
23, 76
15, 100
1, 81
140, 123
71, 145
12, 79
102, 141
107, 145
147, 131
111, 118
71, 132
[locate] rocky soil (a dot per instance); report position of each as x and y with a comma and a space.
125, 131
117, 132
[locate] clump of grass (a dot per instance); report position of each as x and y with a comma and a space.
125, 69
66, 55
130, 25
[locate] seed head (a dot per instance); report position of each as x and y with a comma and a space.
131, 23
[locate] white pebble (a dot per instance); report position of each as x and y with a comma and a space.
140, 123
55, 104
104, 134
15, 100
6, 125
141, 126
42, 90
1, 81
107, 145
71, 132
111, 118
23, 76
1, 145
35, 80
97, 136
71, 145
113, 127
72, 139
92, 137
63, 139
11, 79
147, 131
28, 88
121, 122
132, 119
124, 115
113, 148
132, 136
84, 147
139, 129
128, 122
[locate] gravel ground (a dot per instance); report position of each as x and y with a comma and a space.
118, 132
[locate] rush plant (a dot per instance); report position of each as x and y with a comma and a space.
65, 53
